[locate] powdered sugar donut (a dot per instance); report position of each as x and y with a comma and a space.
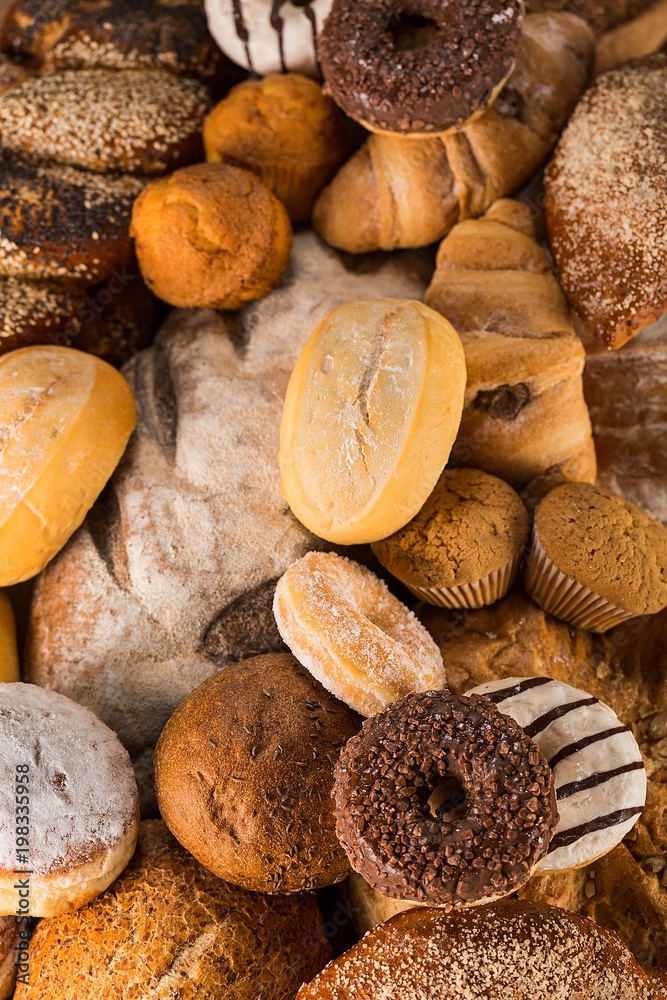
269, 36
69, 806
358, 640
598, 767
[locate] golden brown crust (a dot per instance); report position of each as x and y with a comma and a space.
113, 320
168, 927
509, 950
285, 131
64, 224
472, 524
143, 122
600, 14
606, 198
606, 544
211, 236
117, 34
244, 772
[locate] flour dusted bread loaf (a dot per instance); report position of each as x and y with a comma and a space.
626, 393
125, 121
118, 34
525, 418
65, 224
606, 202
173, 575
168, 928
398, 192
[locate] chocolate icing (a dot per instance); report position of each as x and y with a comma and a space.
449, 69
388, 773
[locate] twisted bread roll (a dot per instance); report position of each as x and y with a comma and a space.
525, 418
398, 192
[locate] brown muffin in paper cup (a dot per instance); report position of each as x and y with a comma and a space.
565, 598
487, 590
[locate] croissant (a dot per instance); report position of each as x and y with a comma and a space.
398, 192
525, 418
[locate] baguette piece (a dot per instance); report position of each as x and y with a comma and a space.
129, 121
63, 224
525, 418
397, 192
116, 34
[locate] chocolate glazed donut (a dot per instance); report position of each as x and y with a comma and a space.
441, 800
418, 66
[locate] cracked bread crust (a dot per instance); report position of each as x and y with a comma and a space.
168, 927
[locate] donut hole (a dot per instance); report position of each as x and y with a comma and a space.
448, 801
412, 32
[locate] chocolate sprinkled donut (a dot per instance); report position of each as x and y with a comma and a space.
443, 801
418, 66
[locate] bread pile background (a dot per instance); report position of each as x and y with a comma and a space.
169, 576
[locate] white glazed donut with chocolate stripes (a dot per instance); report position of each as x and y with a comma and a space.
598, 768
269, 36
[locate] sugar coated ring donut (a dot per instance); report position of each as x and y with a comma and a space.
512, 950
418, 66
357, 639
441, 800
75, 778
598, 769
269, 36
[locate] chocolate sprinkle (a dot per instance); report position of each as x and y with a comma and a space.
448, 70
387, 774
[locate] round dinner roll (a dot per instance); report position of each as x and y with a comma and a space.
371, 413
169, 929
286, 131
9, 653
69, 806
66, 418
244, 775
211, 236
9, 939
511, 950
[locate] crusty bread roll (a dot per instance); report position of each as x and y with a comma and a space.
244, 775
168, 928
512, 950
117, 34
398, 192
112, 320
368, 907
68, 417
371, 412
181, 554
107, 121
606, 202
9, 938
64, 224
211, 236
9, 654
626, 393
525, 418
69, 813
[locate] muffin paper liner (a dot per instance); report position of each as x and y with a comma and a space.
564, 598
488, 590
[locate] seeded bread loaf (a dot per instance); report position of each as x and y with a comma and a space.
173, 575
117, 34
63, 224
124, 121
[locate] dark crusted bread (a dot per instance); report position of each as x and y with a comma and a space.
113, 320
130, 121
63, 224
602, 15
168, 928
118, 34
244, 775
